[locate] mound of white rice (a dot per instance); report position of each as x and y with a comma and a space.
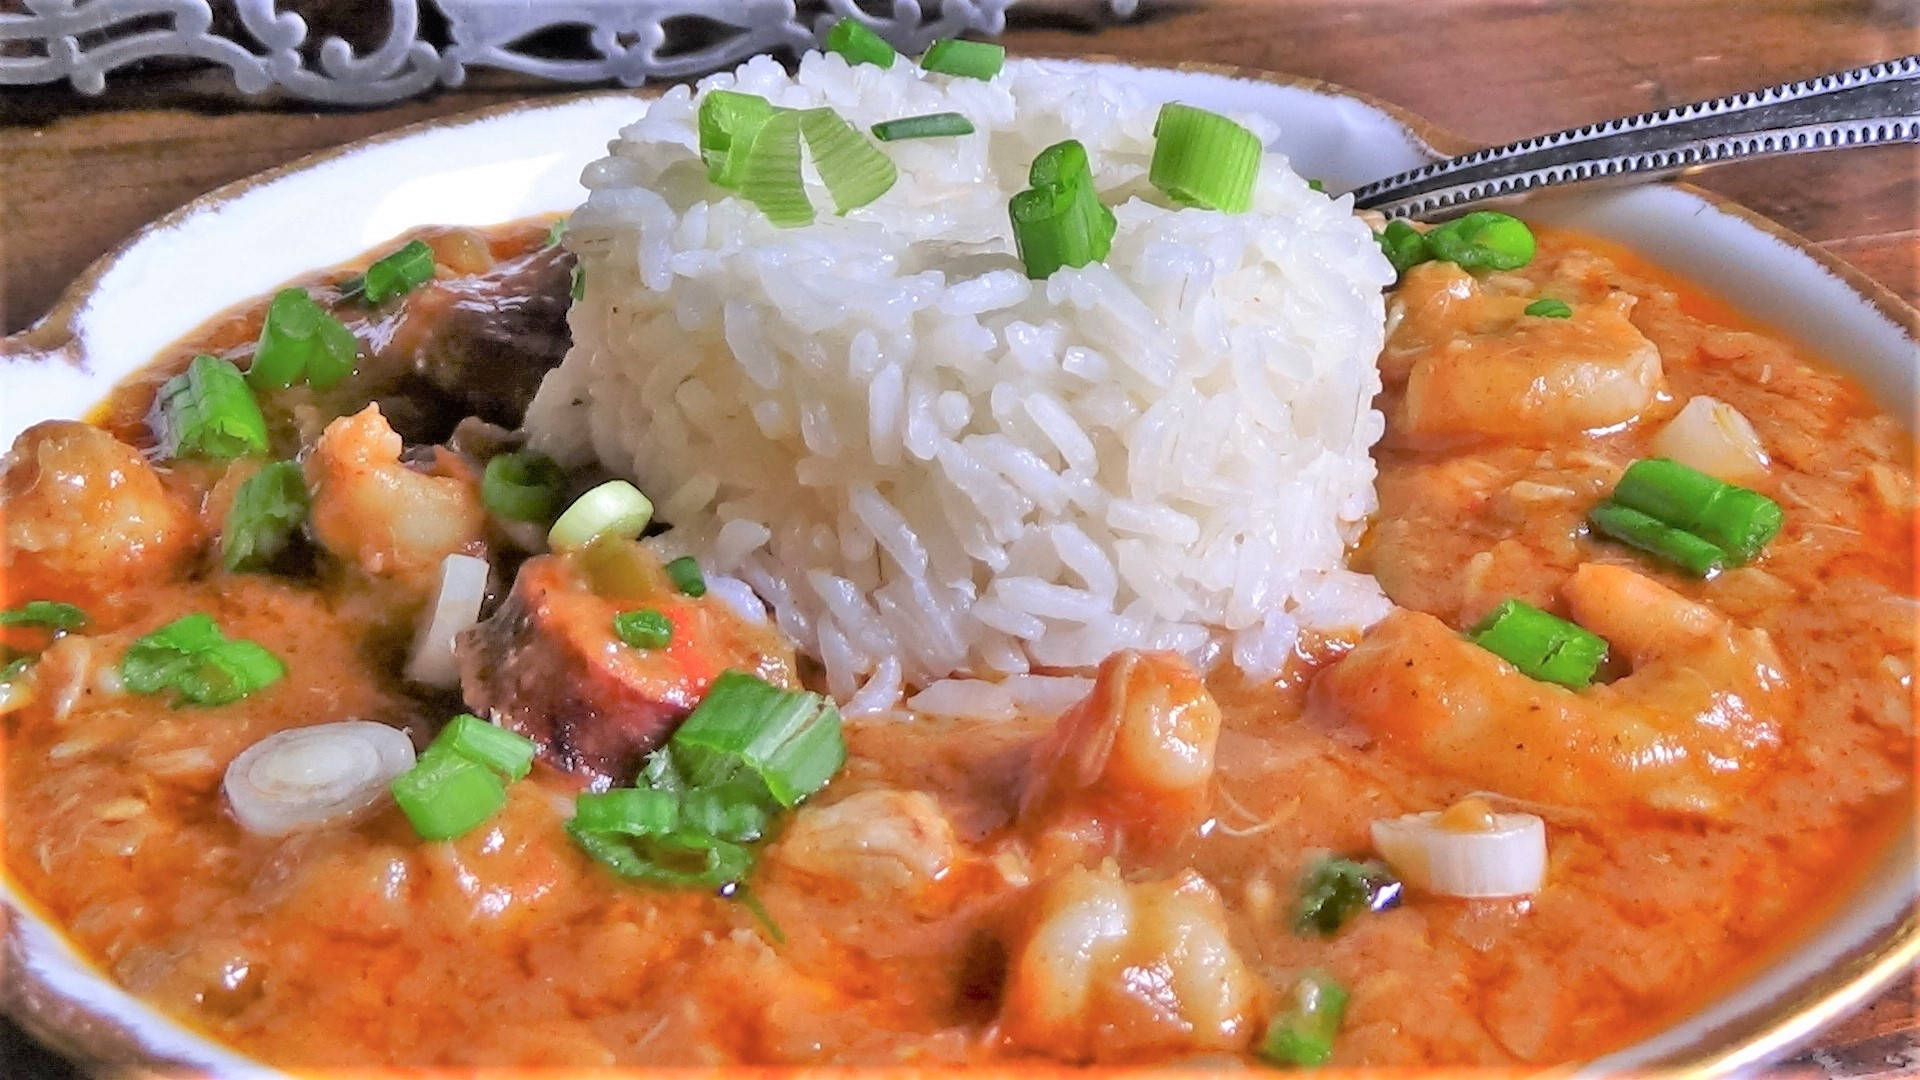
930, 465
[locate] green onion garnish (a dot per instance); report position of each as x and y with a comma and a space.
853, 169
685, 574
730, 813
859, 45
1204, 159
1548, 308
1737, 520
678, 858
207, 411
300, 340
1404, 246
1336, 889
748, 728
11, 671
555, 232
1542, 646
524, 485
577, 282
615, 508
729, 122
1060, 221
1317, 185
508, 753
447, 794
1651, 535
1483, 240
399, 273
1302, 1033
770, 177
191, 657
932, 125
460, 779
969, 59
627, 812
52, 614
265, 512
643, 629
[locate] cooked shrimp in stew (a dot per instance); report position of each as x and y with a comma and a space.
387, 685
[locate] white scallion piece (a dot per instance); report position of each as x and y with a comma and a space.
1714, 437
314, 775
615, 508
1507, 859
454, 607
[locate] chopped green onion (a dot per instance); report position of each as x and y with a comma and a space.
265, 512
1204, 159
1404, 246
1303, 1032
1737, 520
859, 45
447, 794
729, 122
853, 169
677, 858
399, 273
643, 629
52, 614
1483, 240
748, 728
731, 813
207, 411
555, 232
1316, 185
13, 669
1548, 308
770, 177
932, 125
301, 340
1336, 889
969, 59
191, 657
661, 774
1060, 221
1542, 646
524, 485
627, 812
577, 282
685, 574
615, 508
508, 753
1651, 535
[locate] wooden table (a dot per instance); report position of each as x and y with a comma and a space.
78, 175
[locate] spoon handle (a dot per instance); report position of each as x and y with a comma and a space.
1867, 106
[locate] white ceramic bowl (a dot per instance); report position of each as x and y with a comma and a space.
245, 239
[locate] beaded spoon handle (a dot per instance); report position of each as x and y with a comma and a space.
1867, 106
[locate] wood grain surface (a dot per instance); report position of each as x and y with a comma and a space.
78, 175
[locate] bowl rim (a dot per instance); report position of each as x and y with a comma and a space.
1775, 1028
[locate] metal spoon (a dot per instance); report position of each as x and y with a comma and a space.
1867, 106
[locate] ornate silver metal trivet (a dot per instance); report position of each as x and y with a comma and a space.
630, 41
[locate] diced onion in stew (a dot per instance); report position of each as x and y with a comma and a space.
1509, 859
1715, 438
313, 775
454, 607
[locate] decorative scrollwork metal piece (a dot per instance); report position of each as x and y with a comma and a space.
629, 41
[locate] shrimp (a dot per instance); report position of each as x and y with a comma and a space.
1131, 766
882, 845
86, 516
1474, 366
1110, 970
1686, 731
377, 513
